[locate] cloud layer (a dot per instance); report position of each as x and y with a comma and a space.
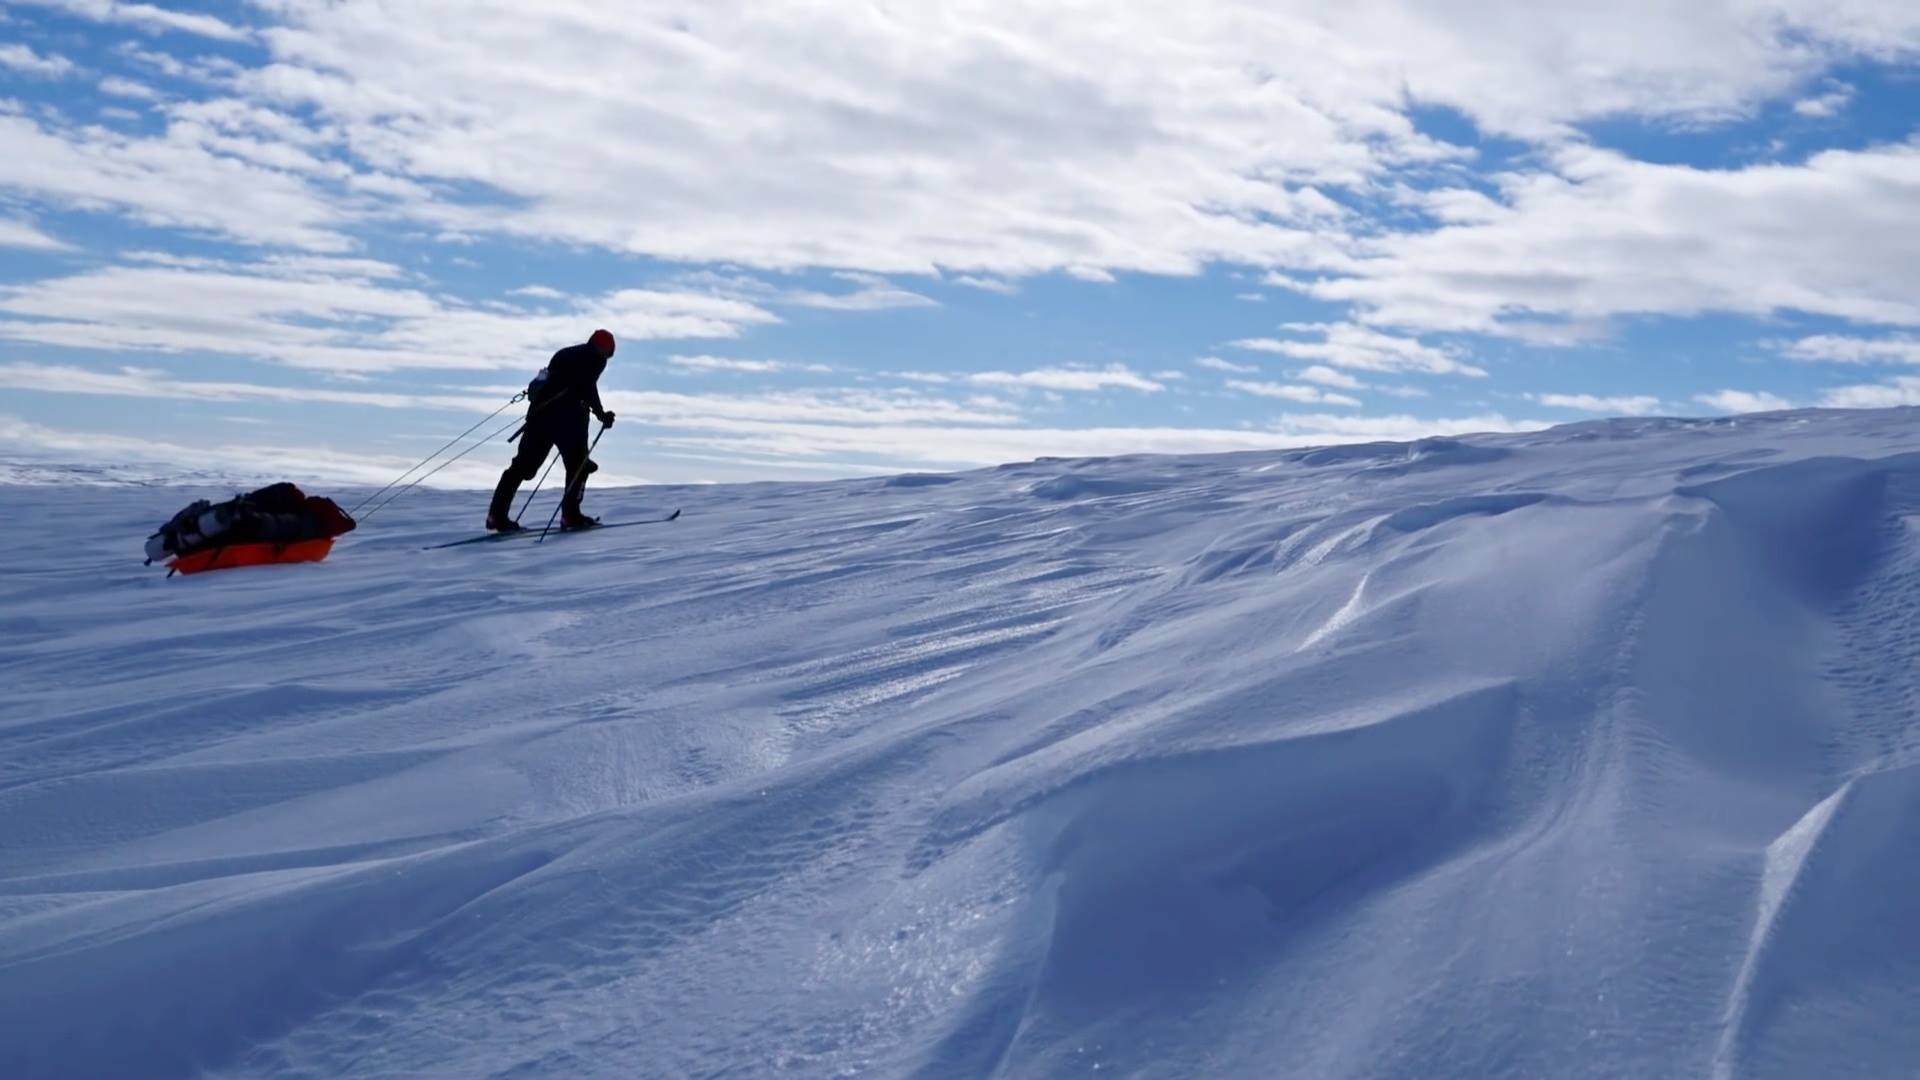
1425, 178
339, 315
1014, 138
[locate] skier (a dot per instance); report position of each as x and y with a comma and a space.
559, 399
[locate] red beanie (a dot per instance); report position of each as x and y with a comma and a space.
602, 340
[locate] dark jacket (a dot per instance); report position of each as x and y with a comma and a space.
573, 383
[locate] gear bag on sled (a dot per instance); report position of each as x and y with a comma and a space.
278, 523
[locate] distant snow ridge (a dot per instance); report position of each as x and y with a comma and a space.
1585, 753
32, 473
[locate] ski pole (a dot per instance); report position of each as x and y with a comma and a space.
537, 484
573, 483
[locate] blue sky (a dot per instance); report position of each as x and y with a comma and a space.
317, 238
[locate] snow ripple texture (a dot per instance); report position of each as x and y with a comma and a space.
1588, 753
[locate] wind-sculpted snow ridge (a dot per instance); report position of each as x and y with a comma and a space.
1585, 753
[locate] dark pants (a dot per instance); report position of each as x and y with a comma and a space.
569, 433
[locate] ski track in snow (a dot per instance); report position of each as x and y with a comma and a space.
1585, 753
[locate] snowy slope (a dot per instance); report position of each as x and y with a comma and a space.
1584, 753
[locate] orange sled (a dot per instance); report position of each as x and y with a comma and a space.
258, 554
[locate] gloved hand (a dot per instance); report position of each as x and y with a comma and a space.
606, 419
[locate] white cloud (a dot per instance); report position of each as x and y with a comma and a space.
26, 237
722, 363
146, 17
992, 153
538, 292
1831, 103
116, 86
1456, 206
851, 408
987, 284
1597, 235
1307, 395
149, 383
340, 315
164, 63
790, 429
171, 181
1901, 390
874, 294
1326, 376
831, 406
1743, 401
1325, 428
974, 152
260, 460
871, 292
929, 446
1841, 349
1619, 405
1351, 346
993, 147
1214, 363
685, 425
240, 171
1276, 279
21, 58
208, 69
1069, 378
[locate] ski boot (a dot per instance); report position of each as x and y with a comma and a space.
501, 523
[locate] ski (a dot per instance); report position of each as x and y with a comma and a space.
492, 537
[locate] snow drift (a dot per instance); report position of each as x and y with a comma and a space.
1584, 753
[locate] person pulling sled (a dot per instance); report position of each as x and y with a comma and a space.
559, 399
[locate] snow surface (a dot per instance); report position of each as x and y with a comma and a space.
1589, 752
